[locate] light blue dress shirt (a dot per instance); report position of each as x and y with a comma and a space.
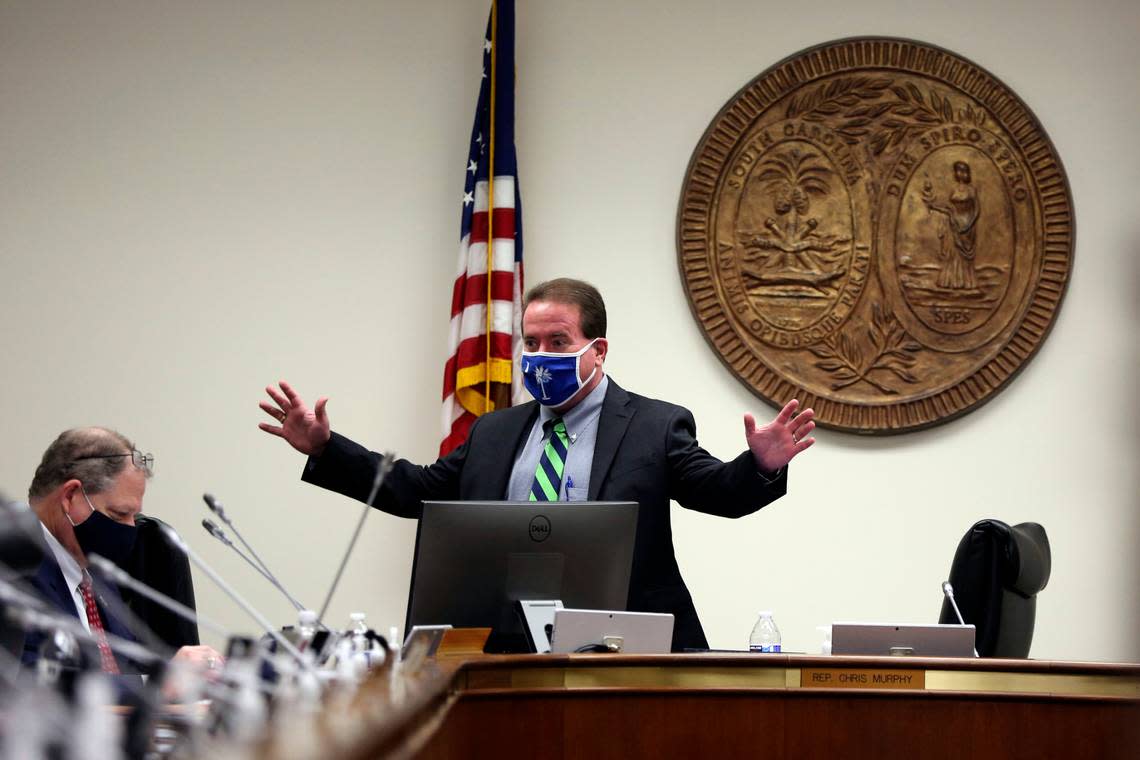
581, 429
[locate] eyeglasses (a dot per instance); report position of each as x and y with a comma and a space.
144, 462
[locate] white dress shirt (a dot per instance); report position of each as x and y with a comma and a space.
72, 574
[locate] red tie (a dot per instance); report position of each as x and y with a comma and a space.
96, 623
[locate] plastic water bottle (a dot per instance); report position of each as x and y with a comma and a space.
306, 628
359, 631
825, 645
765, 635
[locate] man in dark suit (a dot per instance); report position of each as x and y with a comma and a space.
87, 492
608, 444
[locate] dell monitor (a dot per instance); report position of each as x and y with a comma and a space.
475, 560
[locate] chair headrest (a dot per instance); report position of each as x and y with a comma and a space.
1034, 561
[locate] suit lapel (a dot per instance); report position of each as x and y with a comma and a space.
49, 581
617, 411
495, 463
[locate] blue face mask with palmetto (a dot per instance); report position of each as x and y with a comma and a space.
552, 378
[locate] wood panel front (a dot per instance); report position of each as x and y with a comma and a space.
780, 724
709, 706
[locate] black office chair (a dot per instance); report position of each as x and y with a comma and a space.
157, 562
996, 574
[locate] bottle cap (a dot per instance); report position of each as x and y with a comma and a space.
765, 613
356, 617
307, 617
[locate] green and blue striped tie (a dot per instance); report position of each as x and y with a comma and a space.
551, 465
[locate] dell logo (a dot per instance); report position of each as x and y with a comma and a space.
539, 528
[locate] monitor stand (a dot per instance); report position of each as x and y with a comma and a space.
538, 622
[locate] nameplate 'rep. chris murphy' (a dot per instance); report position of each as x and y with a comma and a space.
862, 678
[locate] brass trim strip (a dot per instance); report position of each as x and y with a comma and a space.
1033, 683
684, 678
737, 677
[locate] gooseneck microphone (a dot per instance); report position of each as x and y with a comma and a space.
219, 534
34, 613
948, 591
218, 509
123, 578
268, 627
383, 467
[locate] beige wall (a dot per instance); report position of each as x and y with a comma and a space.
199, 198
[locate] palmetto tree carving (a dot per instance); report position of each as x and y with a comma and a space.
791, 178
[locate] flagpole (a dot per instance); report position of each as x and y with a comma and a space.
491, 209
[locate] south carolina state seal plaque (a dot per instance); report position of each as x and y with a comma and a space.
878, 227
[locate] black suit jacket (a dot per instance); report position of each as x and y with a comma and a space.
49, 584
646, 452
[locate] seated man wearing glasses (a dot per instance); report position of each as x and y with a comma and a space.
87, 492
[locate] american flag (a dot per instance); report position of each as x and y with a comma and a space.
481, 372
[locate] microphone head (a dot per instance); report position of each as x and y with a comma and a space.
21, 540
214, 505
213, 529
